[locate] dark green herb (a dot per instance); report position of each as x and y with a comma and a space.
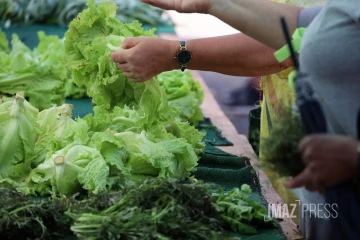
24, 218
43, 218
280, 150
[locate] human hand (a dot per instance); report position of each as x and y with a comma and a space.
146, 57
330, 160
183, 6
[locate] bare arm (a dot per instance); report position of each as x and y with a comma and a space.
235, 54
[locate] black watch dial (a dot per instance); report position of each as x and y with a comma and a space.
184, 57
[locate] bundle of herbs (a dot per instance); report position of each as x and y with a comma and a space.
170, 209
155, 209
280, 150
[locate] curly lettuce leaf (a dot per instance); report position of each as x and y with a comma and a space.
185, 131
185, 156
115, 155
183, 93
171, 158
118, 119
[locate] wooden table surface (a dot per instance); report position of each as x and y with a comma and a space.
242, 147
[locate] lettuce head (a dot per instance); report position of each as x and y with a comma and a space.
115, 155
70, 170
172, 158
58, 130
183, 93
18, 128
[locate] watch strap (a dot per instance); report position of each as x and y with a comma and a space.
182, 44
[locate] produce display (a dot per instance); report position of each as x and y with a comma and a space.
62, 12
133, 134
124, 172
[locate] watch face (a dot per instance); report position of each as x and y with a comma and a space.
184, 57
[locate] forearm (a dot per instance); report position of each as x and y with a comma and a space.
235, 54
259, 19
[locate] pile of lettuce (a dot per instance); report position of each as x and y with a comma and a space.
137, 131
48, 152
41, 73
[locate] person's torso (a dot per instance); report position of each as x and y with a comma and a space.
276, 91
330, 54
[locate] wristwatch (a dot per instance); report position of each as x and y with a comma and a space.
184, 56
